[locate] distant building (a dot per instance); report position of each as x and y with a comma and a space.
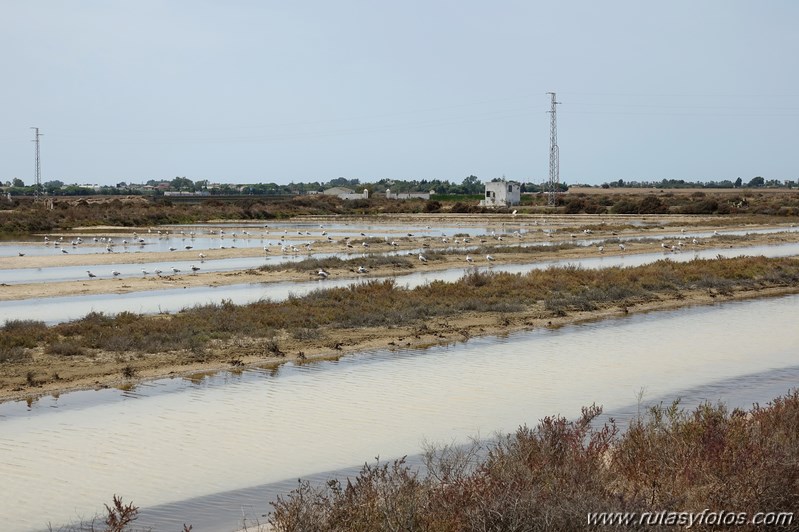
502, 194
409, 195
346, 193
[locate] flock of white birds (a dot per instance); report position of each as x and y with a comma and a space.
285, 244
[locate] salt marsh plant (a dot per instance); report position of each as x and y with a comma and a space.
550, 477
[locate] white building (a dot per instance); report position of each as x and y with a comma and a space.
502, 194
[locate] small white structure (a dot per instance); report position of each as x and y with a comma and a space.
408, 195
502, 194
346, 193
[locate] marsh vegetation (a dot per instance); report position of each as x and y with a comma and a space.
22, 215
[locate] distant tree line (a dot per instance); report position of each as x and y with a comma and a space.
755, 182
469, 186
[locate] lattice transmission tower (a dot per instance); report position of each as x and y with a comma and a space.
38, 186
554, 160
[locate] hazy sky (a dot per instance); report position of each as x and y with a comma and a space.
262, 90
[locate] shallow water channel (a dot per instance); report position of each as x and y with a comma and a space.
60, 309
131, 267
192, 442
202, 237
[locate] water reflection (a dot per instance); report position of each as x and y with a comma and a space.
177, 440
